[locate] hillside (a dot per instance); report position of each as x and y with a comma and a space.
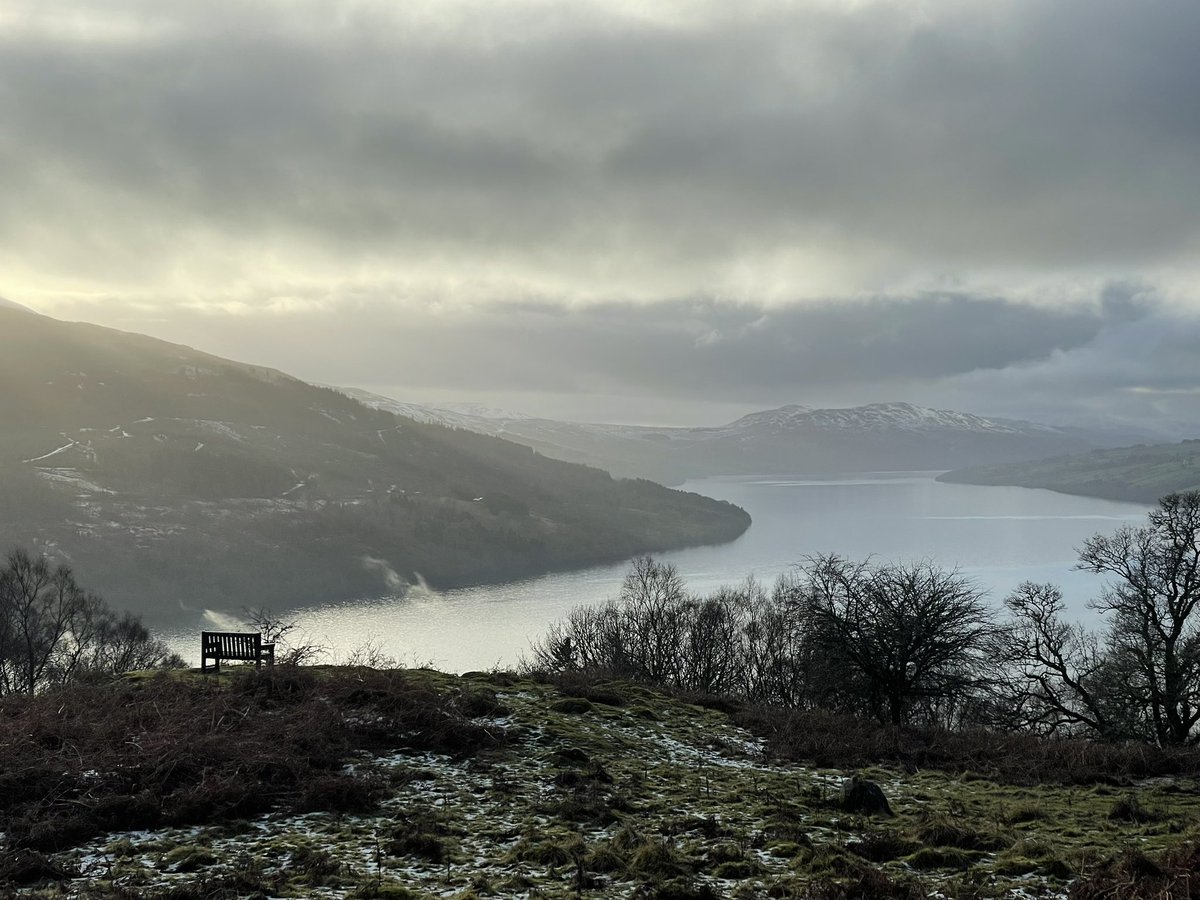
790, 439
361, 784
169, 478
1141, 474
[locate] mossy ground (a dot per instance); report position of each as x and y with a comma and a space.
631, 794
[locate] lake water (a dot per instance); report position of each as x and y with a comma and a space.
999, 536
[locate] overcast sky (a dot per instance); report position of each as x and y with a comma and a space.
648, 211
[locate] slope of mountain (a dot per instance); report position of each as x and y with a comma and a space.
170, 477
787, 440
5, 303
626, 451
1140, 474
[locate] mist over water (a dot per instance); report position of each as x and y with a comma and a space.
998, 536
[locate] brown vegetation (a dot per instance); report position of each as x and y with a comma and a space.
169, 749
830, 739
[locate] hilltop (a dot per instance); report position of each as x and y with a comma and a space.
358, 783
170, 477
1140, 474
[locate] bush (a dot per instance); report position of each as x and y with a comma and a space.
1134, 876
843, 741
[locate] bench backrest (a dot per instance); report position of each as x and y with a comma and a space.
231, 644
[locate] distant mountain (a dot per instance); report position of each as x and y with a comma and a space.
877, 436
1140, 474
469, 416
787, 440
171, 477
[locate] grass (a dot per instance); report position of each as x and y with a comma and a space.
480, 787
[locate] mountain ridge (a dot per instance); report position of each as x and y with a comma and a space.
791, 439
5, 303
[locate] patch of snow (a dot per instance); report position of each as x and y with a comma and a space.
73, 478
53, 452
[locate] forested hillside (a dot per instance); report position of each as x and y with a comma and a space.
169, 478
1140, 474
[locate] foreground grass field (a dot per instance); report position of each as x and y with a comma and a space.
355, 783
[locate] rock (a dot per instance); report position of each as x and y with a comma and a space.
861, 795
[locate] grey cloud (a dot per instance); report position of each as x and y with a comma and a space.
1144, 370
1125, 356
1024, 135
684, 348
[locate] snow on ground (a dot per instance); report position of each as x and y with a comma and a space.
670, 775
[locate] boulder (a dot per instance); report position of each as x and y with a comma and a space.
861, 795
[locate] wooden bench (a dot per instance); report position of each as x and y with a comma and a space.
245, 646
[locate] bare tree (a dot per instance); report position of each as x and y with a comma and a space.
1154, 631
1057, 669
284, 633
124, 644
39, 604
709, 658
773, 651
914, 634
654, 620
52, 631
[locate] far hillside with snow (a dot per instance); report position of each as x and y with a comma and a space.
790, 439
880, 417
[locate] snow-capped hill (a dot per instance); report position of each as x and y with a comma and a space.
480, 411
781, 419
878, 417
419, 412
790, 439
876, 436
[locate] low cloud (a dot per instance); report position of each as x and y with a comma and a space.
1124, 353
